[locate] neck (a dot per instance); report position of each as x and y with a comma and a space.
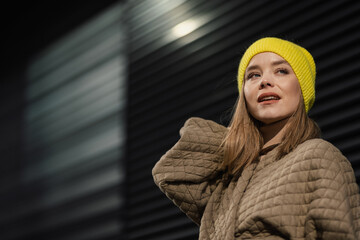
273, 132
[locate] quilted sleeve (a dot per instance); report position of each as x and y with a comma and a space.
334, 211
190, 170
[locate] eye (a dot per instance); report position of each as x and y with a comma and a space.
282, 71
253, 75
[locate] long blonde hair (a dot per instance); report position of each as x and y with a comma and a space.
243, 142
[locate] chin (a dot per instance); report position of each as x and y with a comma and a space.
270, 120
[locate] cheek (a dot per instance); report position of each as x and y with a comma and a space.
295, 87
250, 97
291, 86
297, 91
248, 93
294, 93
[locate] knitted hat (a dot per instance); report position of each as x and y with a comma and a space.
298, 57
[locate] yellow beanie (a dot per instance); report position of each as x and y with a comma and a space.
298, 57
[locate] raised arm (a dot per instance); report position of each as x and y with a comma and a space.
190, 170
335, 208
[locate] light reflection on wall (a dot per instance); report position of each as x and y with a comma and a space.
184, 28
75, 128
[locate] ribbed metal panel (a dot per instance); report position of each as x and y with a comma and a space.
71, 178
172, 78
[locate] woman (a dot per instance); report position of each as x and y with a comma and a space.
268, 175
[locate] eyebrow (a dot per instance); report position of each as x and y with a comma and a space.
275, 63
280, 62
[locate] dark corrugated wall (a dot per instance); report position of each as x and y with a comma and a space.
69, 179
172, 78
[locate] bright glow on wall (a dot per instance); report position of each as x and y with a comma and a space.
185, 28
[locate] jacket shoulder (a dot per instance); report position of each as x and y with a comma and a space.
317, 143
322, 153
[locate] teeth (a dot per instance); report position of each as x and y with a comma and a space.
269, 98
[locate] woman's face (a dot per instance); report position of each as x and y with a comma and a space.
271, 88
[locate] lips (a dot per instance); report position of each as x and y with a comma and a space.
267, 97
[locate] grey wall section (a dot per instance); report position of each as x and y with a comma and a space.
71, 177
11, 112
63, 175
172, 78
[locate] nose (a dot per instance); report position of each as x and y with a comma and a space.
265, 83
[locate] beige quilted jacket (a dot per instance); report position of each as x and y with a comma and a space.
309, 194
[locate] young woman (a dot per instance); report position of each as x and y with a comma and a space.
268, 175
